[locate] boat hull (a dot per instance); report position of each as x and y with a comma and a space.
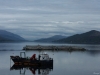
26, 61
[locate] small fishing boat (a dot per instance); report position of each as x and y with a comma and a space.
43, 59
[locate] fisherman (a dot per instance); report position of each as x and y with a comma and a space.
39, 57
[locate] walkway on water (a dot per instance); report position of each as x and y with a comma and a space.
52, 47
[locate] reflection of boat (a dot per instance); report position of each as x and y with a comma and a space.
43, 59
44, 70
18, 67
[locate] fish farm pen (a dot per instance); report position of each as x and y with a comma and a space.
58, 48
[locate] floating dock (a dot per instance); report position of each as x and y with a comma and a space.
58, 48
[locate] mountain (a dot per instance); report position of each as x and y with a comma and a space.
91, 37
6, 36
50, 39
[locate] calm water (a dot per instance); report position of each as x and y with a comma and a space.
65, 63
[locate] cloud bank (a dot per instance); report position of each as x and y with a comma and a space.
33, 19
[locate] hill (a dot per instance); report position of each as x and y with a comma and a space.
50, 39
6, 36
91, 37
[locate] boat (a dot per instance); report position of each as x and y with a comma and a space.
43, 59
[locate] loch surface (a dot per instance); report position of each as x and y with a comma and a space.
65, 63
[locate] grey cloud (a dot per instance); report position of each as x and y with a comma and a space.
52, 7
46, 29
43, 18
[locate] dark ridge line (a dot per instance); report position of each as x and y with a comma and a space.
10, 50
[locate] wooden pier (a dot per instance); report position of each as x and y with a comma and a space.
58, 48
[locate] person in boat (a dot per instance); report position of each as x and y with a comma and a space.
33, 57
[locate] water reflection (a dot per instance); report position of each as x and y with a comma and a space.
42, 70
65, 63
93, 52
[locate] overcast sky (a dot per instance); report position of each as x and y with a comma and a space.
34, 19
